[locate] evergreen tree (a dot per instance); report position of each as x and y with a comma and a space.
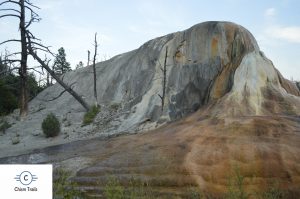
61, 64
4, 68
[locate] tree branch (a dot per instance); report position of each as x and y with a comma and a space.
31, 4
10, 40
31, 36
10, 70
13, 54
64, 85
60, 94
160, 96
10, 15
10, 9
10, 1
11, 60
42, 73
31, 21
31, 10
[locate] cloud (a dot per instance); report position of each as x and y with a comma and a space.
270, 12
287, 33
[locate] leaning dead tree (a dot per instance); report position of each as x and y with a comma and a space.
164, 80
30, 45
94, 70
52, 73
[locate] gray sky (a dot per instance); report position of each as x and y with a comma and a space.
125, 25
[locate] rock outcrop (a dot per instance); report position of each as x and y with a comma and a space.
247, 116
215, 63
204, 63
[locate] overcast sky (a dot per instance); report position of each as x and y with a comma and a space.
125, 25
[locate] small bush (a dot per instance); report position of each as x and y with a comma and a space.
3, 126
51, 125
115, 106
90, 115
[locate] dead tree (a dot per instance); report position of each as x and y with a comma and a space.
164, 80
29, 46
24, 6
52, 73
48, 80
94, 70
88, 62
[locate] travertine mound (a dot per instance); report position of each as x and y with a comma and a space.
246, 121
215, 63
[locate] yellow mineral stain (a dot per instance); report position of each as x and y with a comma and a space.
214, 47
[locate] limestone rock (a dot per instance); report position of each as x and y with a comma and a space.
248, 115
201, 65
213, 66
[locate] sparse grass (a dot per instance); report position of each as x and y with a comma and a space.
63, 188
235, 189
114, 189
273, 192
194, 193
135, 189
90, 115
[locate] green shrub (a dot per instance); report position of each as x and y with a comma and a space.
4, 125
90, 115
8, 99
51, 125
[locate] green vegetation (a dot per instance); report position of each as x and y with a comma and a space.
51, 125
113, 189
4, 125
10, 91
135, 189
273, 192
236, 186
90, 115
61, 65
63, 188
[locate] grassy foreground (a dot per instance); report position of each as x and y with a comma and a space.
64, 188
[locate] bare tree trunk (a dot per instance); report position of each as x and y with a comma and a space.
51, 78
94, 71
88, 62
48, 79
164, 70
65, 86
23, 69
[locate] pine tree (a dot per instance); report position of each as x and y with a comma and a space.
61, 64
